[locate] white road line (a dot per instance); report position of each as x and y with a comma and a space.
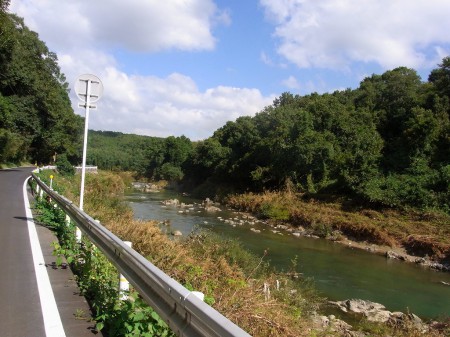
52, 320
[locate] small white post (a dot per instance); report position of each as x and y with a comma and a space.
124, 285
41, 193
51, 182
198, 294
266, 291
67, 220
78, 235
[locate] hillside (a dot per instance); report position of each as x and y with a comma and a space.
36, 117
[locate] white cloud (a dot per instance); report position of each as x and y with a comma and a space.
83, 33
335, 33
170, 106
137, 25
266, 59
291, 83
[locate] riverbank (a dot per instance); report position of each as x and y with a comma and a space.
412, 236
180, 214
239, 285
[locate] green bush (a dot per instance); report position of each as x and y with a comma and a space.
64, 166
274, 211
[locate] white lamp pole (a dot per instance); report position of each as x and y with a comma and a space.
88, 89
86, 127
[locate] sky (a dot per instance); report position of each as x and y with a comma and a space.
186, 67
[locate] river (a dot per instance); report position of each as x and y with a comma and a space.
339, 272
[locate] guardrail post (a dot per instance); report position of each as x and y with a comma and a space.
124, 285
266, 291
78, 235
199, 294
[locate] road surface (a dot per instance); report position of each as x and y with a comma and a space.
26, 266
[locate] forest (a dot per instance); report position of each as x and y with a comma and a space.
386, 142
36, 117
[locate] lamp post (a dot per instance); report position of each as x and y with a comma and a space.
89, 89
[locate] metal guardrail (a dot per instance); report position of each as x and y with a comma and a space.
185, 313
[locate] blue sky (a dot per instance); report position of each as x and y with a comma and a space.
186, 67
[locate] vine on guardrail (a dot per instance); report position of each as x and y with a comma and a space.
97, 279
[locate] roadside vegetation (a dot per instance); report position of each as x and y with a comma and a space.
232, 279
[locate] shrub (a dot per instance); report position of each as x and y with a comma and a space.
65, 168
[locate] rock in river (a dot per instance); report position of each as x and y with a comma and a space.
377, 312
177, 233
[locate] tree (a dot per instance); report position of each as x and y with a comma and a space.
166, 162
208, 160
4, 4
441, 77
33, 93
240, 138
64, 166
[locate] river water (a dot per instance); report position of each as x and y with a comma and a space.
339, 272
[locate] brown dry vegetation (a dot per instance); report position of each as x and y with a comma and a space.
232, 280
420, 233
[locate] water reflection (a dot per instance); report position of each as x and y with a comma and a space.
339, 271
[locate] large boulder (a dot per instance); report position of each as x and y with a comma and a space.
212, 209
374, 312
177, 233
171, 202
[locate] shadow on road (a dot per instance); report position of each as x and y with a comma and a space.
23, 218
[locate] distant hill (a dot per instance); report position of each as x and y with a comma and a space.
118, 151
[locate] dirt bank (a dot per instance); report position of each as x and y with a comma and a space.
411, 236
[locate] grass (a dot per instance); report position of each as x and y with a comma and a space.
239, 285
420, 233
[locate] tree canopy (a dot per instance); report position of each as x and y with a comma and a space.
386, 142
36, 118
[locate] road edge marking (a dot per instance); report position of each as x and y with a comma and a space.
50, 314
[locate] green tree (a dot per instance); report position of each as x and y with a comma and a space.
440, 78
166, 163
64, 166
34, 101
207, 160
240, 139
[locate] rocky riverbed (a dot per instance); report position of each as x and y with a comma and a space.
352, 309
242, 218
183, 214
374, 312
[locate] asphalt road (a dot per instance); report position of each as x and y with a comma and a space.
20, 309
20, 302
